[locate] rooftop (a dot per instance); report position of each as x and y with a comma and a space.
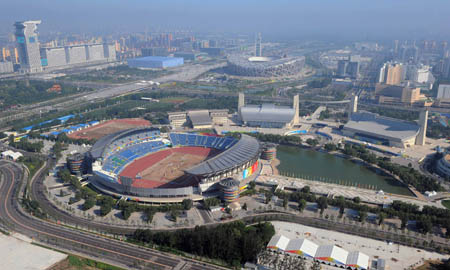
267, 113
384, 127
244, 150
155, 58
199, 118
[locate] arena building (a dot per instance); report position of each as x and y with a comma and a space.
140, 163
259, 66
268, 115
443, 166
376, 129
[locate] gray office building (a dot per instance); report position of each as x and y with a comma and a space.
28, 46
6, 67
67, 56
347, 68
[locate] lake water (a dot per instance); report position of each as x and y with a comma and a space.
313, 165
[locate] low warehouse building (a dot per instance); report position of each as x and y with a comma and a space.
278, 243
155, 62
327, 254
331, 255
302, 247
11, 155
357, 260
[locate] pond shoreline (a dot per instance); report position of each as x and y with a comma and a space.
396, 183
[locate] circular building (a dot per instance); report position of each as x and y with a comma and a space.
443, 166
141, 163
269, 152
229, 189
258, 66
75, 163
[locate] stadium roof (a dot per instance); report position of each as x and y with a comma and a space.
264, 62
382, 127
99, 147
199, 118
267, 113
244, 150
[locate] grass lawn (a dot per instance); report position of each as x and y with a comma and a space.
446, 203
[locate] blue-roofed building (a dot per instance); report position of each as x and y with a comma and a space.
155, 62
27, 128
65, 118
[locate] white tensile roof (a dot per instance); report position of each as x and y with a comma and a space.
356, 258
336, 253
279, 241
304, 245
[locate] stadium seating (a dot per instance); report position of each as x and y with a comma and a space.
192, 139
116, 160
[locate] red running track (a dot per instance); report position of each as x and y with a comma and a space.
143, 163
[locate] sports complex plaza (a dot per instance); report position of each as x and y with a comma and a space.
142, 163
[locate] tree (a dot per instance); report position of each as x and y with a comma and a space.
88, 203
187, 204
164, 129
330, 147
207, 203
322, 203
357, 200
312, 142
362, 216
252, 185
301, 205
244, 206
381, 217
174, 214
306, 189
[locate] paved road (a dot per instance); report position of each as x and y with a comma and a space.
74, 240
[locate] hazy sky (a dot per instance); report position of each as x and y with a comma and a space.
297, 18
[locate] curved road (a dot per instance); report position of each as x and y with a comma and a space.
69, 239
37, 194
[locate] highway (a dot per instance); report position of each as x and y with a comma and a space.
78, 241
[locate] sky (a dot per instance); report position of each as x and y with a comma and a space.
284, 18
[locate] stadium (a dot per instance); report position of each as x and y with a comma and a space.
259, 66
142, 165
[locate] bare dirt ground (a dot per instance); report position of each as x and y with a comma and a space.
172, 167
108, 127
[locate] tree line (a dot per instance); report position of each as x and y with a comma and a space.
425, 218
234, 243
408, 175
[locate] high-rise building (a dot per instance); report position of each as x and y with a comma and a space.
443, 92
6, 67
395, 74
28, 46
392, 73
353, 106
258, 46
347, 68
16, 55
